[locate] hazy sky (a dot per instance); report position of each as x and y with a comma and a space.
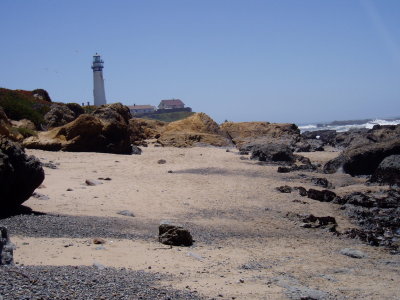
249, 60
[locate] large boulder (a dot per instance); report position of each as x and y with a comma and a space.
257, 133
363, 159
195, 130
107, 131
388, 171
20, 174
58, 115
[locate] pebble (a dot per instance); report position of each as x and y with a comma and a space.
352, 253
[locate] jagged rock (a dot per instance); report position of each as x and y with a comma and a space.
323, 196
107, 131
273, 153
195, 130
58, 115
363, 159
6, 248
284, 169
175, 235
20, 174
4, 123
388, 171
256, 133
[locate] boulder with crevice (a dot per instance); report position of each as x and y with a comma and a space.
388, 171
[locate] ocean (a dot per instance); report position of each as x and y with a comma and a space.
341, 126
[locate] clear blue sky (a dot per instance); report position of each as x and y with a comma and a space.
248, 60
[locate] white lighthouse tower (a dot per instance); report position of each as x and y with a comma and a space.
99, 93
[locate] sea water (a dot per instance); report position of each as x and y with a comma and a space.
349, 125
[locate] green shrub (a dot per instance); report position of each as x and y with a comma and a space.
25, 132
22, 105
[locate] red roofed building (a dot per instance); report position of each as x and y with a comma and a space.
171, 104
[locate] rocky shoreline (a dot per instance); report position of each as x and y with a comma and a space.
322, 198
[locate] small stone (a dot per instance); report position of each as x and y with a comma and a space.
127, 213
161, 161
91, 182
69, 190
170, 171
98, 241
241, 280
352, 253
98, 266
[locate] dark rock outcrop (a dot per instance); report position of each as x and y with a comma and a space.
273, 153
6, 248
20, 174
388, 171
174, 235
107, 131
363, 159
378, 215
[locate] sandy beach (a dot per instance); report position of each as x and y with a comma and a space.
247, 244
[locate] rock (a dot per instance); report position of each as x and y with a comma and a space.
273, 153
6, 248
284, 169
50, 165
98, 266
363, 159
388, 171
143, 129
309, 146
257, 133
302, 191
40, 196
105, 131
161, 161
20, 174
136, 150
127, 213
352, 253
321, 182
98, 241
175, 235
92, 182
198, 129
323, 196
284, 189
325, 136
24, 123
58, 115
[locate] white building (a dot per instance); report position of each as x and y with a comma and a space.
99, 93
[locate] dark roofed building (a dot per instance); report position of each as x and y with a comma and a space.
171, 104
141, 109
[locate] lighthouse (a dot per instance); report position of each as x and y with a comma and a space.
99, 94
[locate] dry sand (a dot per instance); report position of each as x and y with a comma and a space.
246, 247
